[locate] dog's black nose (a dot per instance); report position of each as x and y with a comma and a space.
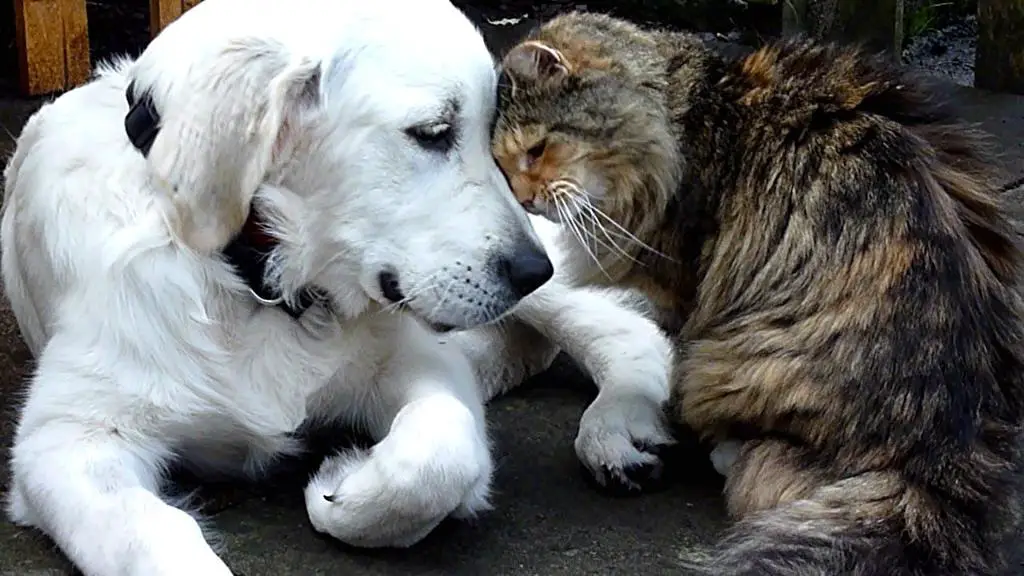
528, 269
390, 287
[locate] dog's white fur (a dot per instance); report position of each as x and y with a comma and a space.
150, 350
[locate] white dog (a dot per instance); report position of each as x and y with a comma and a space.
298, 200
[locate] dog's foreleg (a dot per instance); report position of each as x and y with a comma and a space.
608, 332
92, 489
432, 459
503, 355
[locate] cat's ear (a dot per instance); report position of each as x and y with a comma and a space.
536, 61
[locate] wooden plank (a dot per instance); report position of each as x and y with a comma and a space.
162, 13
77, 63
42, 50
999, 61
876, 24
53, 44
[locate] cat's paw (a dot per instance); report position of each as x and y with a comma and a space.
724, 455
620, 440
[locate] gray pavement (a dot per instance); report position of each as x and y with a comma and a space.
548, 521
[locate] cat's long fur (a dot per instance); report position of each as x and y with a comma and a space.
841, 271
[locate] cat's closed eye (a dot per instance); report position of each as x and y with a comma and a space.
536, 151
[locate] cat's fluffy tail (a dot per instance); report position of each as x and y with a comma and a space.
875, 524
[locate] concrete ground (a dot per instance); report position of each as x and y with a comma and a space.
548, 521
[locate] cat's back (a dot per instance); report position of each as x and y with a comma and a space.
858, 319
862, 232
863, 154
826, 107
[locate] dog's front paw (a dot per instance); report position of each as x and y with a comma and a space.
368, 500
620, 439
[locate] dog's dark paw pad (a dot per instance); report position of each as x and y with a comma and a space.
654, 449
630, 480
642, 477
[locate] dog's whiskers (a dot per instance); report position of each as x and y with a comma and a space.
418, 289
444, 296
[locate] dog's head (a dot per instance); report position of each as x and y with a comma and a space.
360, 131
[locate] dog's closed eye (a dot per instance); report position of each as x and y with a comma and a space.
436, 137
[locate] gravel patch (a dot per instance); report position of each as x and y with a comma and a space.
946, 53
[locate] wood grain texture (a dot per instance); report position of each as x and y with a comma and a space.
999, 62
162, 13
53, 44
876, 24
77, 62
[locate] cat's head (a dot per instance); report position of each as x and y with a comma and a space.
583, 133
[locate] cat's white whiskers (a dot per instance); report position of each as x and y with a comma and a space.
587, 209
626, 232
584, 209
591, 231
569, 189
569, 221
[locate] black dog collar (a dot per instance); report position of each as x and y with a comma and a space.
142, 123
249, 250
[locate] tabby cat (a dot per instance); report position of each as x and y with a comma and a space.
829, 245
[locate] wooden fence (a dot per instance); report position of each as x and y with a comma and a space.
999, 60
53, 36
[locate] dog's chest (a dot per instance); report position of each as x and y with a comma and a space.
235, 451
279, 378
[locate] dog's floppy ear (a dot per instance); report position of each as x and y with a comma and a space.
220, 130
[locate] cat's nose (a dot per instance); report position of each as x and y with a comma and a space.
532, 206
